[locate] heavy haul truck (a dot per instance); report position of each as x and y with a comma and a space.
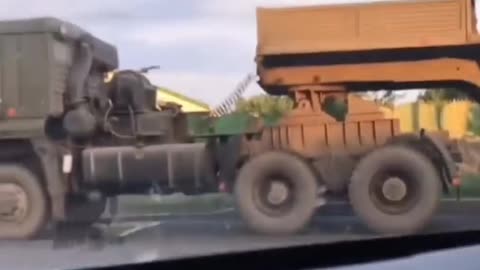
321, 54
318, 54
69, 140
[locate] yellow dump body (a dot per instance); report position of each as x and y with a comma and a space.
396, 44
366, 26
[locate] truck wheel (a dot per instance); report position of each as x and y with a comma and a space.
395, 190
23, 203
276, 193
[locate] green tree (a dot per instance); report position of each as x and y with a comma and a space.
274, 107
474, 121
265, 106
449, 94
336, 108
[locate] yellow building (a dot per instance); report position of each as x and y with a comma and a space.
188, 104
454, 119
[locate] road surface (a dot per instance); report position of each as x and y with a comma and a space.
125, 242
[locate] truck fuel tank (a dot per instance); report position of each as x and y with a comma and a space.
130, 169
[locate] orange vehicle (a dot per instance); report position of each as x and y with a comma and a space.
315, 54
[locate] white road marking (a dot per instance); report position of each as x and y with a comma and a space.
146, 256
139, 227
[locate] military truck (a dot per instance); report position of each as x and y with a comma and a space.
70, 140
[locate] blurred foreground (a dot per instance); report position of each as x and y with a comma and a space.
155, 235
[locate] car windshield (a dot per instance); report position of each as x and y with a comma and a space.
134, 131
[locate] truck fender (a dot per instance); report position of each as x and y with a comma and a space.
446, 162
228, 156
447, 159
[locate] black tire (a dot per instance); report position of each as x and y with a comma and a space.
36, 215
405, 215
291, 215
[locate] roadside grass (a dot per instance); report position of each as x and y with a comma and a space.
470, 188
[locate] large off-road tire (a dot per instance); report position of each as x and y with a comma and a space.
29, 215
276, 193
395, 190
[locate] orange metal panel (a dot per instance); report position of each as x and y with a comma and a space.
335, 135
284, 142
313, 140
367, 135
294, 29
276, 143
383, 131
442, 69
352, 131
315, 137
295, 137
381, 25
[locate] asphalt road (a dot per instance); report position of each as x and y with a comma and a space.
169, 237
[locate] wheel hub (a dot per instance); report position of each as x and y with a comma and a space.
13, 202
394, 189
278, 193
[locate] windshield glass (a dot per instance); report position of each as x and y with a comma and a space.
135, 131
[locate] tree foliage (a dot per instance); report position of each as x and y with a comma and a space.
265, 106
274, 107
336, 108
474, 121
443, 95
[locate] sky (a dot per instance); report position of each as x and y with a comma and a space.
204, 47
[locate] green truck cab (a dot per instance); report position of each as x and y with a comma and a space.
70, 140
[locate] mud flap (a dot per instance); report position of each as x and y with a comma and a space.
227, 155
49, 158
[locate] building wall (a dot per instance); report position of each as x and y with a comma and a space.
455, 117
187, 105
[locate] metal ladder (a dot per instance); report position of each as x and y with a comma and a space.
228, 105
